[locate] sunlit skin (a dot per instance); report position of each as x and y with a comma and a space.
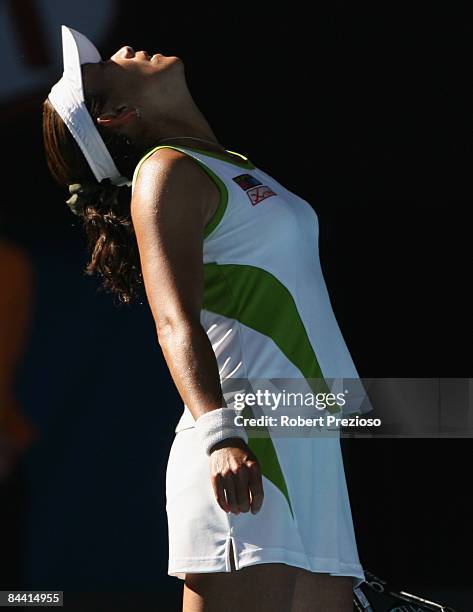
147, 99
145, 93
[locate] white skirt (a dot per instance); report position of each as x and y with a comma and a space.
314, 531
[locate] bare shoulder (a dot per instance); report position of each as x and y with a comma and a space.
175, 177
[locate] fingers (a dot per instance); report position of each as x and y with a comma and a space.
240, 489
219, 492
236, 479
241, 479
255, 486
230, 490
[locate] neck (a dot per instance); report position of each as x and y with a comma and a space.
188, 121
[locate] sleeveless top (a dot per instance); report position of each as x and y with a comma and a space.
266, 308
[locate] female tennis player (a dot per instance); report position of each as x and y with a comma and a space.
229, 262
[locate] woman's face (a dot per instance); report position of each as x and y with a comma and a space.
135, 78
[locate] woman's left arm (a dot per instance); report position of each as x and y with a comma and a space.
172, 201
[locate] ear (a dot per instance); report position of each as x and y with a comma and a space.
121, 116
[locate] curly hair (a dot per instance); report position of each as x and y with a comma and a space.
105, 208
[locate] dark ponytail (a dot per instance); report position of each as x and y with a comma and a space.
103, 207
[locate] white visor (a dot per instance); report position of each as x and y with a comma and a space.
67, 97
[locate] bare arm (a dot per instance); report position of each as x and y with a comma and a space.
172, 201
169, 209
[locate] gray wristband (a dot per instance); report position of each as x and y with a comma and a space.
217, 425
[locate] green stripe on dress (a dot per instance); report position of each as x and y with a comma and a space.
260, 301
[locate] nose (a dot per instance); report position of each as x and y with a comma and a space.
126, 52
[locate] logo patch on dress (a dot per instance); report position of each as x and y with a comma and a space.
258, 194
246, 181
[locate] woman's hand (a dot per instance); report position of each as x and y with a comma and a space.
236, 477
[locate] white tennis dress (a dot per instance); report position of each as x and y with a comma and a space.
267, 312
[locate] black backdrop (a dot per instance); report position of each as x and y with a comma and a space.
360, 110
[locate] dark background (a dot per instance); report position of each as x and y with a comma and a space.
361, 110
